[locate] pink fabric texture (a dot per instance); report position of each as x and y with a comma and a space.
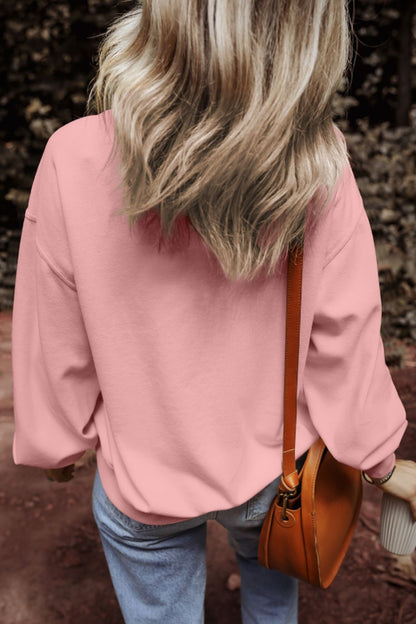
171, 372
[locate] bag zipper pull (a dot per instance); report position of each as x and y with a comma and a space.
285, 496
285, 499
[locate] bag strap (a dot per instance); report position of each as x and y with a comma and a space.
290, 478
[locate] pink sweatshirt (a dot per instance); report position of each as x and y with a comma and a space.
172, 373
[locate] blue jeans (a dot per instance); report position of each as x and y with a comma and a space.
159, 572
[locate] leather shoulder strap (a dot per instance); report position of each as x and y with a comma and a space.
290, 478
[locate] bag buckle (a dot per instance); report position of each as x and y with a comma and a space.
284, 499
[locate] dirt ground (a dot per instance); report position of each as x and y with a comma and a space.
53, 569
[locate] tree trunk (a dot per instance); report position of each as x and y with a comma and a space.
404, 90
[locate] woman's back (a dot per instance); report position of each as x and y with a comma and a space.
177, 371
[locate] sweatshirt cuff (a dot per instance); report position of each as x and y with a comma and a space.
383, 468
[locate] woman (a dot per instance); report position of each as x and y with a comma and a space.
161, 345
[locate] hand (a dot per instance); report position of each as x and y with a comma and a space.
60, 474
402, 483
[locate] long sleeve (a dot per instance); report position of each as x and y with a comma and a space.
351, 398
55, 386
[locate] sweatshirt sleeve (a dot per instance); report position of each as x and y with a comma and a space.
351, 398
55, 387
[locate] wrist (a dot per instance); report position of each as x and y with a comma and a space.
379, 480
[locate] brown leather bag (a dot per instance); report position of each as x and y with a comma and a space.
311, 520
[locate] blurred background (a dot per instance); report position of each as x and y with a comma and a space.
53, 567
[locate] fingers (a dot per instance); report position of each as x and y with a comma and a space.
60, 474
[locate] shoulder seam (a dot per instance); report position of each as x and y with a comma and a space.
346, 240
56, 271
30, 217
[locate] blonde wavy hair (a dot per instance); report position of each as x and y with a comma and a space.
222, 115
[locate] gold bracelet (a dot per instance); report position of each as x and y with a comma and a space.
379, 481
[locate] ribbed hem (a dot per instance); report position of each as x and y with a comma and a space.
110, 486
383, 468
